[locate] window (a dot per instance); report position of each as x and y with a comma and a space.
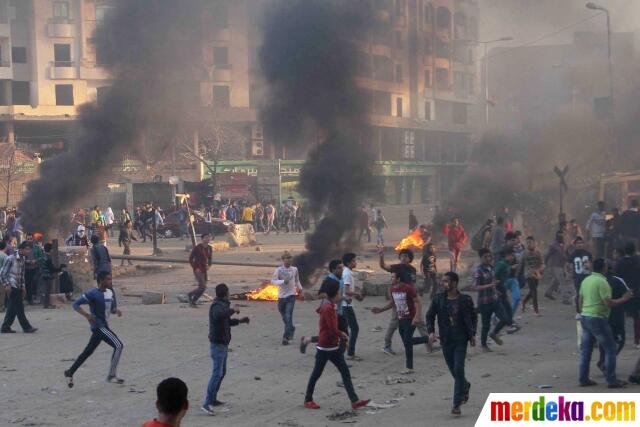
21, 8
427, 110
428, 14
221, 16
443, 18
427, 78
442, 78
399, 39
101, 94
443, 48
381, 103
221, 97
19, 55
62, 55
221, 58
399, 107
21, 93
102, 12
399, 73
409, 145
400, 7
459, 113
64, 94
61, 10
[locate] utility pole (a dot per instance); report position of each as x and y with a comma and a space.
562, 173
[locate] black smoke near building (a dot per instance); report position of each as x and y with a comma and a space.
309, 62
152, 49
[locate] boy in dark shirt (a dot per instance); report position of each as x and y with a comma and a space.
580, 261
429, 269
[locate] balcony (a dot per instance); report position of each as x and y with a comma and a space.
61, 28
5, 30
63, 70
6, 72
222, 74
221, 34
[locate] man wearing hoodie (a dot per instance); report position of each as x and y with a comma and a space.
220, 323
328, 349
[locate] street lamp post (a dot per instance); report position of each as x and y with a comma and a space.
486, 74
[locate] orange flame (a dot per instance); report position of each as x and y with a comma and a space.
268, 292
413, 241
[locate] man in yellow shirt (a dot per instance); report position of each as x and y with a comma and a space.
595, 305
247, 214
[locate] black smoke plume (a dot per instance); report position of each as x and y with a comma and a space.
309, 62
152, 49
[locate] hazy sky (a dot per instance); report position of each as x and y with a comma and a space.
529, 20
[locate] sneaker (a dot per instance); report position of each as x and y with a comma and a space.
69, 379
496, 338
486, 349
617, 384
360, 403
513, 329
634, 379
114, 379
311, 405
456, 411
303, 345
588, 383
578, 317
218, 403
207, 409
407, 371
31, 330
389, 351
7, 331
285, 341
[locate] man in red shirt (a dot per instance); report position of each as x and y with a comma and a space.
408, 305
328, 349
200, 260
172, 403
457, 238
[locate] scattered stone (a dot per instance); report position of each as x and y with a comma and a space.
257, 378
485, 375
376, 329
543, 386
341, 416
398, 380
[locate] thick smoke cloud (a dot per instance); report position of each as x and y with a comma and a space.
152, 48
308, 60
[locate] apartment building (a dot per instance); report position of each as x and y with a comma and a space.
417, 68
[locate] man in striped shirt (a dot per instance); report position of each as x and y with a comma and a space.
101, 301
12, 278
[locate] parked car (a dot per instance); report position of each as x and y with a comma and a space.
171, 227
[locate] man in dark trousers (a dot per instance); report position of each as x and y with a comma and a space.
220, 323
200, 260
457, 324
12, 278
102, 302
49, 271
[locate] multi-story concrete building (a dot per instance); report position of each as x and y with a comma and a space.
417, 69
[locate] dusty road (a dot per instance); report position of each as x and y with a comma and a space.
265, 381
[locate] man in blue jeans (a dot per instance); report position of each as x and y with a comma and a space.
595, 305
220, 323
287, 278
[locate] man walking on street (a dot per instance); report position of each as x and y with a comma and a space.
457, 237
580, 263
556, 261
220, 323
457, 323
596, 227
595, 305
200, 260
349, 291
100, 257
12, 278
287, 278
102, 302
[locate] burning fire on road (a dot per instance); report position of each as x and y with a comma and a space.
268, 292
413, 241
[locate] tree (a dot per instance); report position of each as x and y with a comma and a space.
14, 166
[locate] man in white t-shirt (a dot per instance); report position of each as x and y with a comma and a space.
287, 278
349, 292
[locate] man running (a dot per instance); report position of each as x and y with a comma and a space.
287, 278
200, 260
457, 324
101, 301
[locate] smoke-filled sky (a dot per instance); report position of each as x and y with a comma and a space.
529, 20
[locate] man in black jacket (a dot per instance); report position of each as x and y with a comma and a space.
457, 324
220, 323
628, 269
